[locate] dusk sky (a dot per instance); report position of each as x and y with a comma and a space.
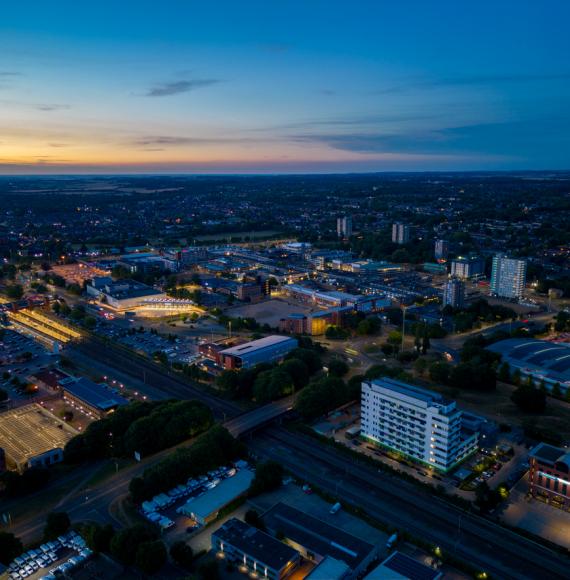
283, 86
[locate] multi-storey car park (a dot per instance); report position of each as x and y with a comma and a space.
416, 422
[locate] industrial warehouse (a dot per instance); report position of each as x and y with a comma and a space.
543, 360
31, 436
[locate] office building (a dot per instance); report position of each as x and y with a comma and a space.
265, 350
400, 233
344, 227
255, 552
454, 293
467, 267
508, 277
549, 475
422, 425
441, 249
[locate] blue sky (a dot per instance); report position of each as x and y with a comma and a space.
284, 86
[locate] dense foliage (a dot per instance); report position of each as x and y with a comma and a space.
146, 427
212, 449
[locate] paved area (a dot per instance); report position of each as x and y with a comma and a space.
536, 516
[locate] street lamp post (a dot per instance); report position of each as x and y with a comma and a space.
403, 326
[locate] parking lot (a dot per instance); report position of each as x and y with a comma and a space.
536, 516
51, 559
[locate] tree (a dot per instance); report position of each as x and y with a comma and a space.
151, 556
10, 547
516, 377
14, 291
421, 366
439, 372
125, 544
57, 523
182, 553
253, 518
504, 373
338, 368
297, 370
98, 537
3, 395
529, 399
268, 476
309, 356
556, 391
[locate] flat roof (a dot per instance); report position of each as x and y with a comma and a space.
329, 569
399, 565
258, 344
94, 395
410, 390
258, 545
317, 536
29, 431
546, 453
215, 499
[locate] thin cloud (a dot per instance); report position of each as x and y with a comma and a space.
51, 107
473, 80
179, 87
7, 73
156, 141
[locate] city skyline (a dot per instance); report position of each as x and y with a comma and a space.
267, 89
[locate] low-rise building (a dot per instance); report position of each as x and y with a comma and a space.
264, 350
316, 540
123, 294
205, 508
31, 436
549, 475
254, 551
92, 398
420, 424
399, 566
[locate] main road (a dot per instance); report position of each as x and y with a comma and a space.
398, 503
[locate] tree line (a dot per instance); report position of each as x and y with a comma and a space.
145, 427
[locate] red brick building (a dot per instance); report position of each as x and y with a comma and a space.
549, 475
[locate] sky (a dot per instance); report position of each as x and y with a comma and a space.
283, 86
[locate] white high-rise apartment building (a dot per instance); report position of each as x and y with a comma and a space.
508, 277
400, 233
441, 249
344, 227
422, 425
454, 293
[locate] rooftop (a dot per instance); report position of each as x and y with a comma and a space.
29, 431
259, 344
410, 391
260, 546
215, 499
550, 455
399, 566
538, 356
95, 395
317, 536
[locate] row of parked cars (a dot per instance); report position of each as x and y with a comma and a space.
193, 487
47, 554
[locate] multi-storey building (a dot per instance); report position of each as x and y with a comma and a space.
467, 267
400, 233
344, 227
418, 423
549, 475
454, 293
508, 277
441, 249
